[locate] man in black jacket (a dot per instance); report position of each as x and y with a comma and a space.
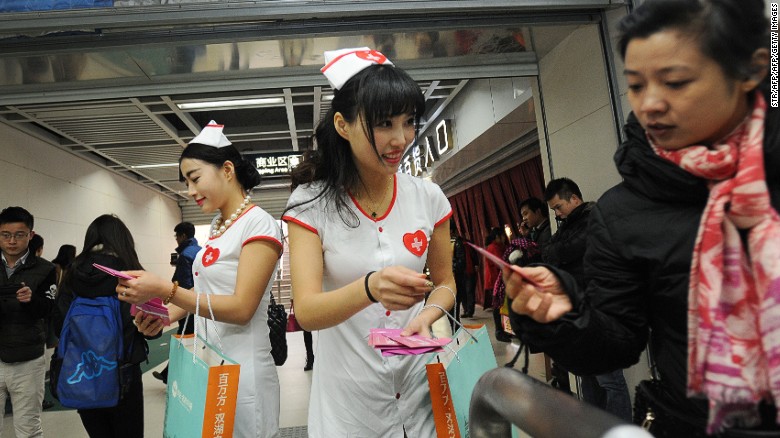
28, 285
566, 250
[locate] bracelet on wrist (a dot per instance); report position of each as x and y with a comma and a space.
442, 286
368, 291
172, 294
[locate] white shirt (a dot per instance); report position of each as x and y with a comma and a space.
355, 391
214, 270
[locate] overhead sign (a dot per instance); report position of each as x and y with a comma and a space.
421, 157
275, 164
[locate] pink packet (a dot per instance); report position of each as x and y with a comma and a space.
113, 272
409, 351
502, 264
378, 337
416, 341
153, 307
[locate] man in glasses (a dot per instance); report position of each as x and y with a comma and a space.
28, 285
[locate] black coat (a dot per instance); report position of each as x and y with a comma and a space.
566, 248
637, 264
22, 329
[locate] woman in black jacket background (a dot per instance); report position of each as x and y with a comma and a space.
696, 73
108, 242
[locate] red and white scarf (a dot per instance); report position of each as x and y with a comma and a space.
734, 290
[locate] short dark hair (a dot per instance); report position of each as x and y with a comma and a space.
533, 204
12, 215
563, 187
728, 31
185, 228
36, 243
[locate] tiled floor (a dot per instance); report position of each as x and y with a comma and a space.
294, 381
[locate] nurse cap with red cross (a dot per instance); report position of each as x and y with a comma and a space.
342, 64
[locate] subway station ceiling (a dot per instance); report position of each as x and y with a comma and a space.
128, 87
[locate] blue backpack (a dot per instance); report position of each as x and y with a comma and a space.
87, 371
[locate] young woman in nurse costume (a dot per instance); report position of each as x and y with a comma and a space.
235, 267
360, 235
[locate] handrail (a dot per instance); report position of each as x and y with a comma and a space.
505, 396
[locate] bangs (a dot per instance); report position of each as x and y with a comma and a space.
389, 92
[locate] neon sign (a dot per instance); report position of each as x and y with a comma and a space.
421, 157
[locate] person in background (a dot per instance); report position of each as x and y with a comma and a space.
683, 253
360, 236
472, 267
65, 256
534, 214
459, 266
187, 249
235, 269
29, 286
495, 244
108, 242
62, 261
566, 251
36, 245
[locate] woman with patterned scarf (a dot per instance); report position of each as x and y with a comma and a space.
685, 252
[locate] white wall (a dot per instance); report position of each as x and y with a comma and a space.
582, 135
66, 193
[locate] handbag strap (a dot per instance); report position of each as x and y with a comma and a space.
205, 325
453, 319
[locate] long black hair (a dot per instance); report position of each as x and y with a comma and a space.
377, 93
728, 31
107, 234
246, 173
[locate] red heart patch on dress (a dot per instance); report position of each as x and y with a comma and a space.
210, 256
416, 242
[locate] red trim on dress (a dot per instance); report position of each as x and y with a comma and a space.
389, 207
270, 239
442, 220
298, 222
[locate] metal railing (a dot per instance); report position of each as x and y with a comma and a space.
505, 396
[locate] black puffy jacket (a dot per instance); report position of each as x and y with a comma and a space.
22, 330
640, 242
566, 248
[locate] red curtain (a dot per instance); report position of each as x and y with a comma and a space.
494, 203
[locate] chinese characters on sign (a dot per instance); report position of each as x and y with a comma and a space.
421, 157
219, 418
276, 164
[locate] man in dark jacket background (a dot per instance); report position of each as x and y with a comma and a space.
566, 250
186, 250
28, 285
534, 213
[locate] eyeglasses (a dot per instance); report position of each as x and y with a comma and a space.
19, 235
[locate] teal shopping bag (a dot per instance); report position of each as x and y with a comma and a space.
202, 390
467, 358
